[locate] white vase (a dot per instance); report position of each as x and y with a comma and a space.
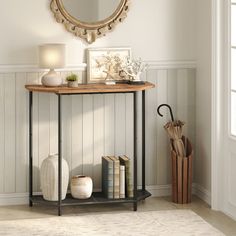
81, 187
49, 178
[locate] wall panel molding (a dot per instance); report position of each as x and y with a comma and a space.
93, 125
35, 68
187, 64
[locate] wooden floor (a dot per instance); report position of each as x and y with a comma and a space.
217, 219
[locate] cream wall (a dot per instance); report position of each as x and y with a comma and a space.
155, 29
203, 96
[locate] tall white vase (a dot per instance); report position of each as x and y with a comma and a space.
49, 178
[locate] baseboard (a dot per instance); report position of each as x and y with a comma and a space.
155, 190
8, 199
202, 193
165, 190
23, 198
159, 190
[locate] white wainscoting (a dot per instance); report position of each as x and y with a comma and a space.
93, 126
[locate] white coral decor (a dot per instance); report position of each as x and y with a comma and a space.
134, 68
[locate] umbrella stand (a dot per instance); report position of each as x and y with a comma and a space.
182, 174
181, 158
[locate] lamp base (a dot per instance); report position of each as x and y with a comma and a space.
51, 79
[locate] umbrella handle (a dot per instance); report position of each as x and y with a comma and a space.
165, 105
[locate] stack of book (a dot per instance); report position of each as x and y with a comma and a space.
116, 177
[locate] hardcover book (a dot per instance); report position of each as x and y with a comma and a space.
124, 160
116, 172
122, 181
107, 177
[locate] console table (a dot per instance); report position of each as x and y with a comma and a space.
97, 197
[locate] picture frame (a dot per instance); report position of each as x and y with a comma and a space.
103, 64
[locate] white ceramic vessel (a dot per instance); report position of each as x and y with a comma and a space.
49, 178
51, 79
72, 84
81, 187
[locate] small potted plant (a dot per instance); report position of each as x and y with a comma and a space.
72, 80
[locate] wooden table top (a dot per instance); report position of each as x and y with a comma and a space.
90, 88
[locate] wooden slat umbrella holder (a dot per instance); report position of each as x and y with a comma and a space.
182, 174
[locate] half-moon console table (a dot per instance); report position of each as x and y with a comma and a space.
97, 197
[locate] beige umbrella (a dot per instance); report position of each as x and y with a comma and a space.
174, 130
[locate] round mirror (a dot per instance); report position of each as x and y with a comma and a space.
91, 11
90, 19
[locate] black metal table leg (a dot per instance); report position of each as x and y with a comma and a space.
143, 140
30, 149
59, 155
135, 150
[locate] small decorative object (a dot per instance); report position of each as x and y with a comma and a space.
81, 187
134, 69
72, 80
52, 56
49, 178
104, 65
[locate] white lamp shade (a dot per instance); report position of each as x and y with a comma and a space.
52, 56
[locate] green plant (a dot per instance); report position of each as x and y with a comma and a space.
72, 77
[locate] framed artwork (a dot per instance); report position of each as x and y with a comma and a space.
104, 64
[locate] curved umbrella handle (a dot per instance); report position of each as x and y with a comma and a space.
165, 105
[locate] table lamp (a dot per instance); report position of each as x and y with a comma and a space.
52, 56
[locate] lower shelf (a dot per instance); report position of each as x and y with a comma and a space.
96, 198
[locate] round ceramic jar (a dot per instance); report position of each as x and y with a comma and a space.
81, 187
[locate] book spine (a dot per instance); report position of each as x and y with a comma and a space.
116, 183
107, 177
110, 180
124, 160
129, 183
122, 181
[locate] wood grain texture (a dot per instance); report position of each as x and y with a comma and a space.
185, 180
174, 177
90, 88
180, 178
